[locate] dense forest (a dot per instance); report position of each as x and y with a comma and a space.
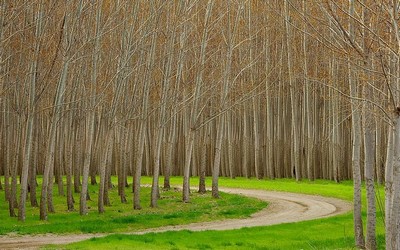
262, 89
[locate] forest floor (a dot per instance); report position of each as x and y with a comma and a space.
283, 208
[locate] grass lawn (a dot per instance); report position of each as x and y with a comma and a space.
122, 218
329, 233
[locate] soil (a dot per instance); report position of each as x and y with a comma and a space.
283, 208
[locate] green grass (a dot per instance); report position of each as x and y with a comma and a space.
122, 218
304, 235
329, 233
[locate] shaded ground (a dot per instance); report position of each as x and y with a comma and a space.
283, 208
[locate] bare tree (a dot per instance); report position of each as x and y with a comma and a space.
231, 39
90, 118
45, 200
293, 101
356, 146
31, 111
196, 99
147, 79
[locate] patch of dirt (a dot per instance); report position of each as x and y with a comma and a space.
283, 208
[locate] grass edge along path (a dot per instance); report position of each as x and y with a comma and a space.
329, 233
122, 218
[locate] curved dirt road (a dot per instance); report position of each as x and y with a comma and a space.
283, 208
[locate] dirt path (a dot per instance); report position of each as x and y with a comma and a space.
283, 208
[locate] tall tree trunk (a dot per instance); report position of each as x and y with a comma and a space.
30, 120
47, 183
217, 156
356, 154
60, 163
69, 148
32, 170
231, 39
356, 150
390, 160
293, 102
194, 109
144, 119
7, 151
124, 164
369, 140
203, 160
90, 118
307, 104
392, 168
172, 128
77, 156
12, 201
162, 116
392, 189
103, 170
246, 143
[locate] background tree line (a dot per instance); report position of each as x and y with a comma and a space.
264, 89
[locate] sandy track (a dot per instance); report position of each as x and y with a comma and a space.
283, 208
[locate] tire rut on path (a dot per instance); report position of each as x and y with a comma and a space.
283, 208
